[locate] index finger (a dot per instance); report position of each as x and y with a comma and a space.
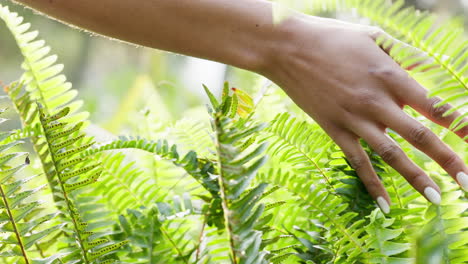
434, 109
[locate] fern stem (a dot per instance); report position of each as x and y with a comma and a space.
174, 245
444, 65
151, 241
224, 205
65, 196
15, 228
200, 238
226, 219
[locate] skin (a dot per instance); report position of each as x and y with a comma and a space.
333, 70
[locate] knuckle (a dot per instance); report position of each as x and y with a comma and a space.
437, 112
450, 161
357, 163
388, 152
367, 99
386, 72
373, 183
420, 135
415, 178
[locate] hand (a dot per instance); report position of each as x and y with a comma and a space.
337, 73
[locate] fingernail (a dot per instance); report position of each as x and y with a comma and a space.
462, 179
383, 205
432, 195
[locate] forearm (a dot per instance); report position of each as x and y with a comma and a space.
238, 33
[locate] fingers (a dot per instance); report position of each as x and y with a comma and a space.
411, 93
429, 107
360, 162
394, 156
425, 140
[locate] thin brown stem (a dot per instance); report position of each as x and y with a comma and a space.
200, 238
174, 245
15, 228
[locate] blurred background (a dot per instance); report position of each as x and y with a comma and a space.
113, 77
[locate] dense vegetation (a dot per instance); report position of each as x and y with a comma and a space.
242, 188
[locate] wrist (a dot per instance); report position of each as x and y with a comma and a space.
260, 40
301, 36
286, 40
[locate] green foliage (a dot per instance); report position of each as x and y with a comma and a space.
22, 223
157, 235
61, 156
123, 179
300, 146
236, 168
199, 169
189, 193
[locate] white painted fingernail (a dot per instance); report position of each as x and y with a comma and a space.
383, 205
432, 195
462, 179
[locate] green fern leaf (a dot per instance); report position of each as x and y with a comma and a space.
21, 223
74, 175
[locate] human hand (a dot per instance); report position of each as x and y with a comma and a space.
337, 73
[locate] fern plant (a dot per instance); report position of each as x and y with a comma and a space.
21, 221
247, 189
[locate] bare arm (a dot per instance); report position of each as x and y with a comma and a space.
238, 33
333, 70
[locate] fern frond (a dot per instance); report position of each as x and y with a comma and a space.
21, 223
60, 151
330, 211
123, 179
42, 82
19, 134
238, 162
444, 235
192, 135
301, 146
199, 169
157, 234
315, 247
348, 185
382, 241
42, 77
